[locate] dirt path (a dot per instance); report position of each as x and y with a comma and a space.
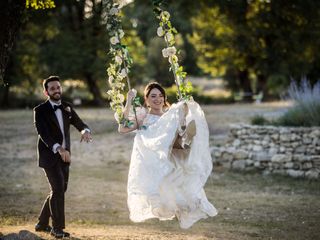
250, 206
112, 232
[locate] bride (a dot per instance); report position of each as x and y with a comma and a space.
170, 160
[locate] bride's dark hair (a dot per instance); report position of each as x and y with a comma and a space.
156, 85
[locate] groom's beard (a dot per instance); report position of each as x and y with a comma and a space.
55, 96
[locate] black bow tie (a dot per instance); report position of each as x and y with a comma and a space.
55, 107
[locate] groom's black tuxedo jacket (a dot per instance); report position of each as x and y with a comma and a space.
49, 132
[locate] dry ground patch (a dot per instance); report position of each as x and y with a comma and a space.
250, 205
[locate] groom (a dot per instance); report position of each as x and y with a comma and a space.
52, 120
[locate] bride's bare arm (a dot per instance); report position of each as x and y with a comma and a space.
125, 129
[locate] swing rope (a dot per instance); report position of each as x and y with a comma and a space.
129, 88
168, 32
121, 61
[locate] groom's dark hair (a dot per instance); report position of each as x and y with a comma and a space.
49, 79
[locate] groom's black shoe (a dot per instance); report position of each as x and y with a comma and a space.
42, 228
59, 233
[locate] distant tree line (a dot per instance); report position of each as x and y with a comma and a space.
255, 45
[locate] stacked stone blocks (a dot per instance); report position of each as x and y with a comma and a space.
293, 151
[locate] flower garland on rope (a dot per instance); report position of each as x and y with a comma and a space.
166, 31
120, 63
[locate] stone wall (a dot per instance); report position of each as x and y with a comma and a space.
281, 150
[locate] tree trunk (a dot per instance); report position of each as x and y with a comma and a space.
5, 103
262, 86
95, 91
5, 97
245, 85
11, 12
95, 30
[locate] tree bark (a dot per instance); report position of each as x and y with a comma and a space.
5, 97
78, 25
245, 85
11, 12
5, 103
95, 91
262, 85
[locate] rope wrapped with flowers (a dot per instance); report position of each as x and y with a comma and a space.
121, 62
168, 32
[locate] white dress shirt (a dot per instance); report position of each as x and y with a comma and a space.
59, 116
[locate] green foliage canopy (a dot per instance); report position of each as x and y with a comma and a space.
268, 41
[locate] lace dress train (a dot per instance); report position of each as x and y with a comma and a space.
166, 181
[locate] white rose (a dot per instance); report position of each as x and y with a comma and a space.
165, 52
169, 36
123, 73
68, 109
114, 40
118, 59
121, 33
160, 31
114, 11
169, 51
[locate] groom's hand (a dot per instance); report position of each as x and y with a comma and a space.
86, 136
65, 155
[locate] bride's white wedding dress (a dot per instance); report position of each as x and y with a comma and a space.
165, 182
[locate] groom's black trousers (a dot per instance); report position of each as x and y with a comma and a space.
53, 206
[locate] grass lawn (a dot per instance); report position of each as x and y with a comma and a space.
251, 206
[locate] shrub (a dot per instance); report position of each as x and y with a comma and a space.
306, 110
295, 117
259, 120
